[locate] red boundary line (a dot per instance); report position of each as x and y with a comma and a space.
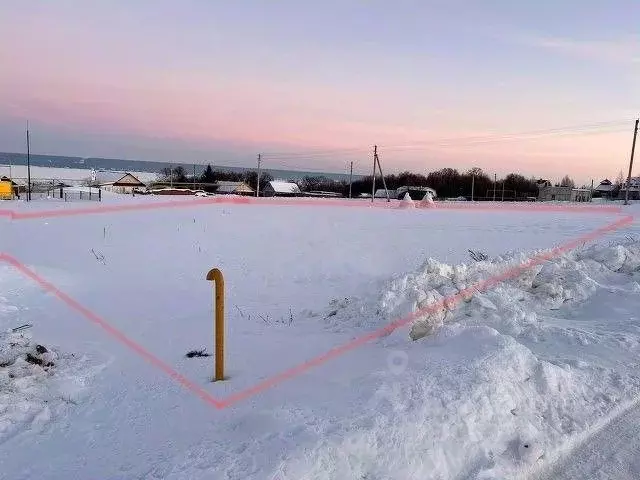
315, 202
331, 354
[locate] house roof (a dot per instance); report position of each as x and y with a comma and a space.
119, 179
382, 193
280, 186
231, 187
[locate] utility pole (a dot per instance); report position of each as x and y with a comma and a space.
473, 181
495, 184
633, 148
350, 178
258, 181
28, 166
373, 188
503, 190
384, 182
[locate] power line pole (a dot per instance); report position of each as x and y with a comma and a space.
28, 166
373, 188
473, 181
633, 148
350, 178
495, 184
384, 182
258, 181
503, 190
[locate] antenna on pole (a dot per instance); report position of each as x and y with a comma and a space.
633, 148
28, 165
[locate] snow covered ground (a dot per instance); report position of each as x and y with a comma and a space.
497, 384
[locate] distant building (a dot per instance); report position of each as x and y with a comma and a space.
605, 189
280, 188
382, 193
233, 188
580, 195
117, 182
634, 189
550, 193
6, 189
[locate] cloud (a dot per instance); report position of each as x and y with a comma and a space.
624, 49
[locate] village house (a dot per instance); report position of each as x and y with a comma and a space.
281, 188
634, 189
233, 188
117, 182
605, 189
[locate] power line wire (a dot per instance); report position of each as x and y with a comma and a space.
583, 129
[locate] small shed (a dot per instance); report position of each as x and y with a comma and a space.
281, 188
233, 188
6, 189
118, 182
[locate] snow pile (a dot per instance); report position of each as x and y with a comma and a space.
36, 383
472, 404
438, 293
406, 202
427, 200
496, 388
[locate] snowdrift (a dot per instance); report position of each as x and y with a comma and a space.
37, 382
569, 277
499, 381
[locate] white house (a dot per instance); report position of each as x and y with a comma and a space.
117, 182
281, 188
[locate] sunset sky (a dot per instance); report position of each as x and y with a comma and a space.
314, 84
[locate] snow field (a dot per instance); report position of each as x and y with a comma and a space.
501, 382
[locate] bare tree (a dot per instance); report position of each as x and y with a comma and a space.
567, 182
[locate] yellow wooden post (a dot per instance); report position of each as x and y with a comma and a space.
215, 275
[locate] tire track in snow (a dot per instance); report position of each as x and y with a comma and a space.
609, 450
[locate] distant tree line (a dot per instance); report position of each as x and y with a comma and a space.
447, 182
179, 176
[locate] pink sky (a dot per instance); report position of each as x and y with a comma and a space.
193, 82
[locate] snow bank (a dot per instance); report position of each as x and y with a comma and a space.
443, 293
495, 388
37, 382
427, 201
406, 202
